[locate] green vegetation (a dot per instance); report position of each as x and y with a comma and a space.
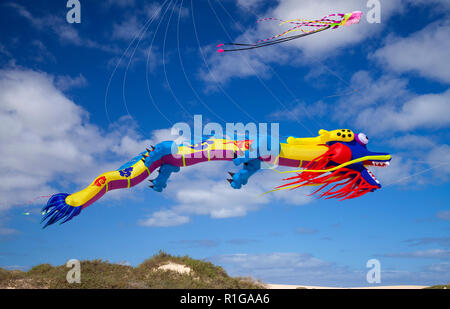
441, 287
98, 274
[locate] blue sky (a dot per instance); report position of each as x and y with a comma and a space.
77, 100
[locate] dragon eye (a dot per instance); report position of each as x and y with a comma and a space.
363, 138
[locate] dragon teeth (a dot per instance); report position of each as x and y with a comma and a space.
373, 177
380, 164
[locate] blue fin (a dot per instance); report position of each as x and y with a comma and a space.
160, 182
251, 166
57, 210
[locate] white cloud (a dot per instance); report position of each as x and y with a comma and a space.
128, 29
424, 52
46, 139
287, 268
191, 243
333, 39
164, 218
387, 105
435, 4
4, 51
249, 4
7, 231
257, 62
306, 231
67, 82
444, 215
422, 162
442, 241
428, 111
384, 107
399, 172
203, 190
426, 254
148, 15
439, 158
59, 26
410, 141
305, 269
387, 89
120, 3
301, 111
272, 260
41, 53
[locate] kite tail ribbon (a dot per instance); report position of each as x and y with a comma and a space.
306, 27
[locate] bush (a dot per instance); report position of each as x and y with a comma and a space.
98, 274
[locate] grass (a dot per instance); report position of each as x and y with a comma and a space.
441, 287
99, 274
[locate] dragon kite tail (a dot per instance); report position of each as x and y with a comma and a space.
166, 157
63, 207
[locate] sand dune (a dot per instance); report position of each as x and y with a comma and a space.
179, 268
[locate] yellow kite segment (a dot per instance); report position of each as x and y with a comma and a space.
342, 135
79, 198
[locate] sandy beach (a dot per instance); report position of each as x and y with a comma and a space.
287, 286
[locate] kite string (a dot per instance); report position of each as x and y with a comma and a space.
117, 66
280, 79
147, 73
184, 71
217, 83
256, 74
132, 56
164, 64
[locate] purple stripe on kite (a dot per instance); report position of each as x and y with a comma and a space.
269, 159
193, 160
288, 162
176, 160
95, 198
138, 179
215, 155
222, 155
117, 184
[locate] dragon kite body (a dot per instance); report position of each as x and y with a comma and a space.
304, 26
335, 161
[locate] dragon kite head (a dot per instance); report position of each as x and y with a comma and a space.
343, 168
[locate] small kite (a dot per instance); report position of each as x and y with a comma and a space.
306, 27
336, 158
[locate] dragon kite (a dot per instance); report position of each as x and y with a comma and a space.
306, 27
336, 161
